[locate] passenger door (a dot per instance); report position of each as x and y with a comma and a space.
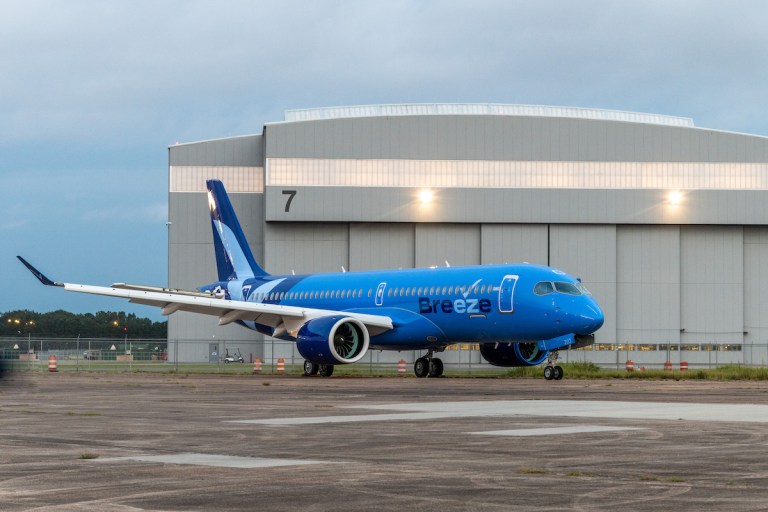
507, 293
380, 294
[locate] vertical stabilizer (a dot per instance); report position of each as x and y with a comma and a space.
234, 259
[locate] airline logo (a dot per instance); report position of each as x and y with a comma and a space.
461, 306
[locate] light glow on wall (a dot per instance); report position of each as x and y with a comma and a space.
675, 197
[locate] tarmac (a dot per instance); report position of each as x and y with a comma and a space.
128, 442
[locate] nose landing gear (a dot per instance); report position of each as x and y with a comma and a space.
551, 371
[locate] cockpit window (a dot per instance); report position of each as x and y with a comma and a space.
567, 288
583, 289
543, 288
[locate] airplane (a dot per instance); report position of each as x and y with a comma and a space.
520, 315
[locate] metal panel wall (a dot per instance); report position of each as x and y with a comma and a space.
589, 253
191, 263
305, 248
648, 288
756, 287
459, 244
712, 287
381, 246
234, 151
509, 205
514, 243
508, 138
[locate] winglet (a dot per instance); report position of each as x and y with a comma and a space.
38, 274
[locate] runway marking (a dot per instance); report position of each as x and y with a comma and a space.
741, 413
219, 461
572, 429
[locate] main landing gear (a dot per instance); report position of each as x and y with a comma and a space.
428, 366
324, 370
552, 372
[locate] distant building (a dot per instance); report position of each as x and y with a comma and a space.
665, 222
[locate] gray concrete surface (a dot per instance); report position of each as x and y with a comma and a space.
210, 442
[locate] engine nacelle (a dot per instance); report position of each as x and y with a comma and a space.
334, 339
514, 354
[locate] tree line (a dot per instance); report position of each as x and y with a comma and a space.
63, 324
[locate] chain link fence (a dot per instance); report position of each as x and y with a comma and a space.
238, 356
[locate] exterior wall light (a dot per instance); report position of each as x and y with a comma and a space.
675, 197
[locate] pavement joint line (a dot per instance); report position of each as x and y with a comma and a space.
221, 461
548, 431
673, 411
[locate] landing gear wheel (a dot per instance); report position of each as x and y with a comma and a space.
310, 368
549, 372
325, 370
436, 367
558, 373
421, 367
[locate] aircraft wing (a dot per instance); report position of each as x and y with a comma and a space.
283, 318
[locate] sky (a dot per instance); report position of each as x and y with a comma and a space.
92, 93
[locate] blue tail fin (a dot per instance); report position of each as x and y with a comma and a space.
234, 259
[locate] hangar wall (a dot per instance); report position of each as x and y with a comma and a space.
191, 262
594, 202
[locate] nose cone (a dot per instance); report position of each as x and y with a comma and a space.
591, 318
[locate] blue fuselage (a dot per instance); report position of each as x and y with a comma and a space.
435, 307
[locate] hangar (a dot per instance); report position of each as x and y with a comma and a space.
664, 221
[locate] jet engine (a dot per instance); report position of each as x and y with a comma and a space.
513, 354
332, 340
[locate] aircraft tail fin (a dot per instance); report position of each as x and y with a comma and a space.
234, 259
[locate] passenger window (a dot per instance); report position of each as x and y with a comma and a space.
431, 290
370, 292
567, 288
543, 288
389, 292
419, 290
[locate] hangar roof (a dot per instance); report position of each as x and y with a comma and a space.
486, 109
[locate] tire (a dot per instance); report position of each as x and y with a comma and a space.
436, 367
325, 370
226, 361
421, 367
310, 368
549, 373
558, 373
